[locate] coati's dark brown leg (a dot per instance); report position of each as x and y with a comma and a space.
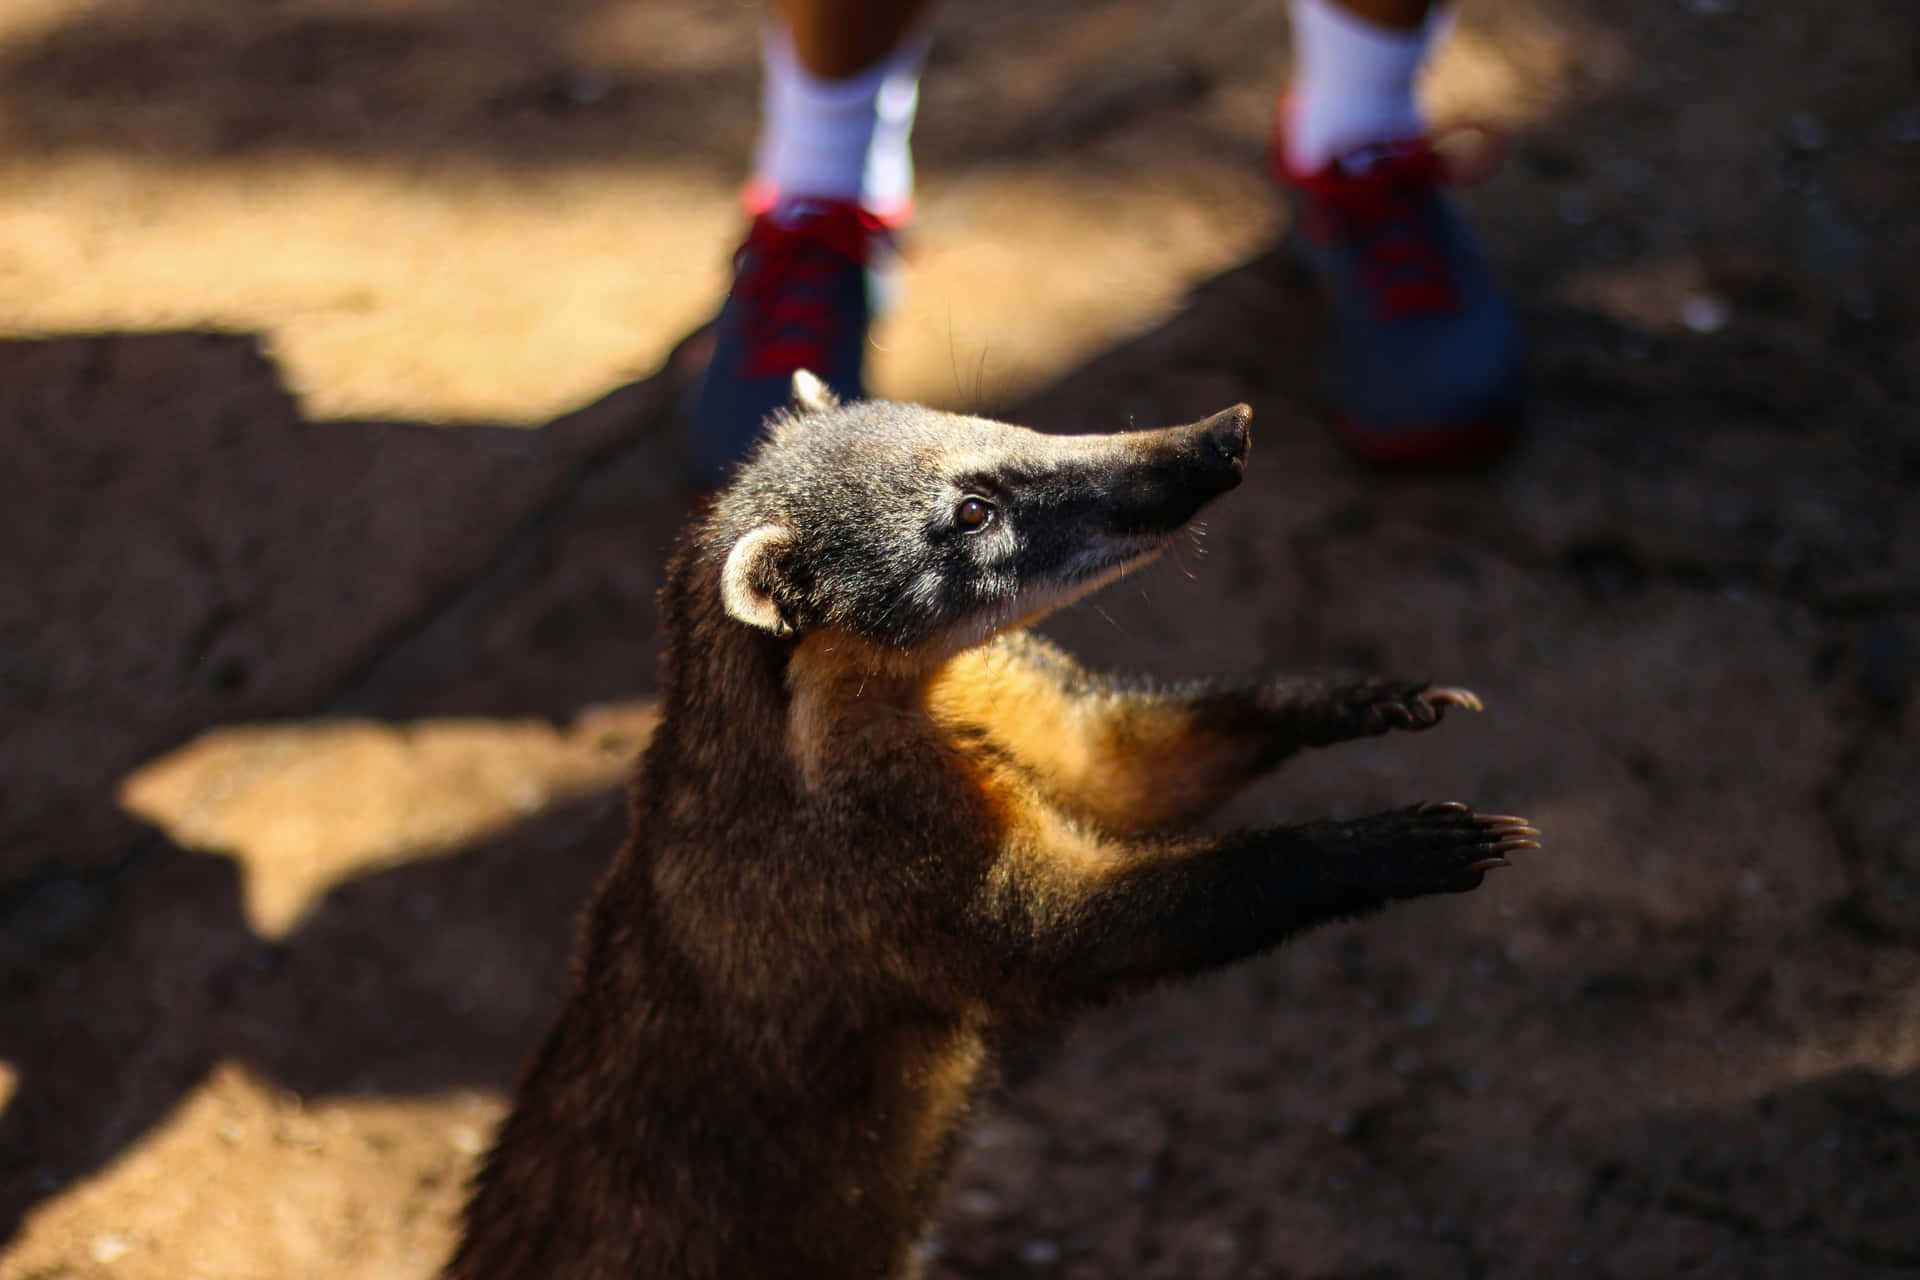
1320, 713
1136, 758
1095, 920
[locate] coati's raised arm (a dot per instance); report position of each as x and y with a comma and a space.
1135, 758
1085, 916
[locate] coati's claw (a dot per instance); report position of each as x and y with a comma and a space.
1377, 706
1439, 847
1510, 834
1451, 696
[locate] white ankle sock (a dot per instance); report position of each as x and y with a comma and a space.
1353, 81
838, 139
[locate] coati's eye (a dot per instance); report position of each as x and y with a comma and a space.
973, 514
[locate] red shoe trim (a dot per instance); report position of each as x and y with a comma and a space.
784, 268
758, 196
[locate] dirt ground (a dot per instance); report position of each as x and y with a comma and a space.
326, 627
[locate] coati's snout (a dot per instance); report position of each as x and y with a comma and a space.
1161, 479
925, 532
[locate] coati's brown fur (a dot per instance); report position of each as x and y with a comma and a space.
880, 823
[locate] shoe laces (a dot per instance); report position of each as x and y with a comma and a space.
1378, 200
785, 272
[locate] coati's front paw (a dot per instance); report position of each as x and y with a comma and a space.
1435, 848
1379, 706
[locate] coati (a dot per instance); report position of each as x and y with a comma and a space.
880, 824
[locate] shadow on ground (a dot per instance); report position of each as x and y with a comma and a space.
202, 556
526, 86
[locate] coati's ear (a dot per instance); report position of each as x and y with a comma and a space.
754, 573
810, 395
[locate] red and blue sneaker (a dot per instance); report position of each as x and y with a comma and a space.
1428, 366
805, 287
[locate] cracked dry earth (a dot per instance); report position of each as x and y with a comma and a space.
320, 668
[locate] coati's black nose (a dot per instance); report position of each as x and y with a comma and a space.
1229, 435
1212, 453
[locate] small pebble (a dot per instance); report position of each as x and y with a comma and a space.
584, 88
1574, 207
1710, 8
526, 795
1704, 313
1040, 1253
109, 1247
976, 1204
1805, 132
994, 1135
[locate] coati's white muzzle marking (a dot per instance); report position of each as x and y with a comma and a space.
1085, 574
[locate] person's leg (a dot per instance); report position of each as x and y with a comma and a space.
838, 39
1427, 362
841, 83
1355, 62
832, 172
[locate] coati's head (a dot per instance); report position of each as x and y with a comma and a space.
922, 532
